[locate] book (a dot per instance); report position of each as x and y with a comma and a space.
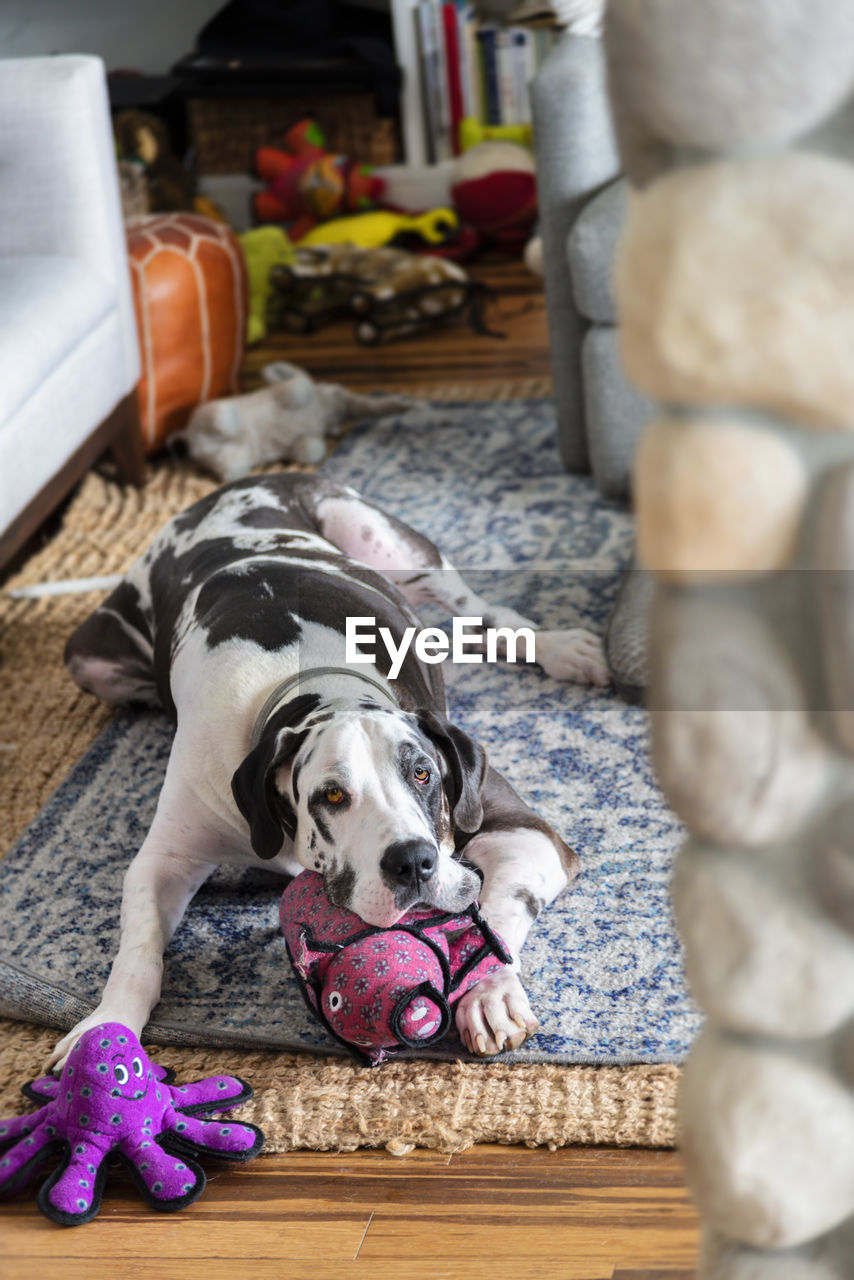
505, 78
437, 116
475, 65
486, 39
465, 38
453, 72
523, 71
423, 32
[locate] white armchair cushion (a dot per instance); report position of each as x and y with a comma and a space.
60, 415
47, 307
59, 187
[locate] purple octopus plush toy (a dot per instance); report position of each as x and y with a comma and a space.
112, 1101
377, 989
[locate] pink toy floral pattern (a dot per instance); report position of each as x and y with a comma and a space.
375, 989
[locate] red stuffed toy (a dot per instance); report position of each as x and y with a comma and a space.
494, 190
307, 185
378, 989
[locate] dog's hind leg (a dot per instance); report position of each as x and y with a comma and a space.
424, 575
111, 653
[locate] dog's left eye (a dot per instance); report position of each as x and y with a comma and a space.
334, 795
421, 775
137, 1067
121, 1073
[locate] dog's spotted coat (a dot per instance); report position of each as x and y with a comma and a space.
374, 789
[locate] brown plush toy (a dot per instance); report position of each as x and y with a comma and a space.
144, 138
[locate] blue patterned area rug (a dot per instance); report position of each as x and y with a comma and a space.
602, 965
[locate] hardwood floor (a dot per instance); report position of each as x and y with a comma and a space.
489, 1213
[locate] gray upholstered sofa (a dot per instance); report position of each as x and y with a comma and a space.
582, 205
582, 208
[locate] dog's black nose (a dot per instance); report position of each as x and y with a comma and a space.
408, 862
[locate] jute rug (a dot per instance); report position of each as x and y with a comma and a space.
301, 1100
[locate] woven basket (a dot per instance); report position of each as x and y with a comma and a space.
227, 132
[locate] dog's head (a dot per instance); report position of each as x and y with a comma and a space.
371, 798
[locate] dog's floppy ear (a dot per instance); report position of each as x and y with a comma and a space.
270, 814
466, 761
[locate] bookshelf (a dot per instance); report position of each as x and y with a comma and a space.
457, 66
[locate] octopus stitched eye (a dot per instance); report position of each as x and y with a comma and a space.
421, 775
334, 795
121, 1073
137, 1067
335, 1001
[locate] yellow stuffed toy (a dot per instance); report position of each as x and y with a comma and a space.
373, 230
263, 248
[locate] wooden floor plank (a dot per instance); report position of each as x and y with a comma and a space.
491, 1213
654, 1275
171, 1267
123, 1267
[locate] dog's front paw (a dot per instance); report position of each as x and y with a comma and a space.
573, 655
55, 1060
495, 1015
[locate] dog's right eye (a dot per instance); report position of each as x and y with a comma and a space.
121, 1073
334, 795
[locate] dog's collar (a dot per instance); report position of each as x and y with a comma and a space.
312, 673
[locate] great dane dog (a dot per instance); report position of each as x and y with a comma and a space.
234, 621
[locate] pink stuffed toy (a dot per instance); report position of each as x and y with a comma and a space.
378, 989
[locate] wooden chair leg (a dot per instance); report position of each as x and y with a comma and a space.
126, 444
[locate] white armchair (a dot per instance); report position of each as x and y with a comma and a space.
69, 354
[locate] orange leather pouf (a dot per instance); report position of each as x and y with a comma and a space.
190, 293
